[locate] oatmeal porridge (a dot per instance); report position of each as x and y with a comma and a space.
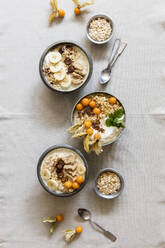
99, 118
66, 67
63, 170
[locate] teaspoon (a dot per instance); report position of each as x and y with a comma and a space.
105, 74
85, 214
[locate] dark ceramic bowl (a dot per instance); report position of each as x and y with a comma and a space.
54, 45
109, 95
39, 169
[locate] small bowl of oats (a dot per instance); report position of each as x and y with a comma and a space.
108, 183
100, 29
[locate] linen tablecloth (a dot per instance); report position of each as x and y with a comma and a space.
32, 118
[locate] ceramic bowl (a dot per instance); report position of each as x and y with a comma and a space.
109, 95
51, 47
95, 17
39, 170
110, 196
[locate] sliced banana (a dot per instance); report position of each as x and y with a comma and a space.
52, 184
81, 169
45, 173
66, 82
60, 75
54, 57
56, 67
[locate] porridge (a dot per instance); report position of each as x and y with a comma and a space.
99, 118
63, 170
66, 67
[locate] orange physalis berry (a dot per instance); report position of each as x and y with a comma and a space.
75, 185
61, 13
68, 184
112, 100
97, 136
79, 106
85, 101
92, 104
77, 11
90, 131
79, 229
87, 124
80, 179
59, 217
96, 111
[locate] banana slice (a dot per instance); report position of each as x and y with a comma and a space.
66, 82
56, 67
54, 57
60, 75
45, 173
81, 169
52, 184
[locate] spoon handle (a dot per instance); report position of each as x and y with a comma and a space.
114, 52
106, 233
119, 52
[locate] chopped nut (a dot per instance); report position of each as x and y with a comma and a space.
70, 69
67, 61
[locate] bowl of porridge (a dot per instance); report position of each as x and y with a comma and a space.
99, 118
65, 66
100, 29
62, 170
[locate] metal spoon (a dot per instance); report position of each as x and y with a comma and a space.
105, 74
85, 214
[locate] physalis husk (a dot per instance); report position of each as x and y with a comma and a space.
69, 234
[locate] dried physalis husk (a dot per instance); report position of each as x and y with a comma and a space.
54, 5
52, 17
55, 11
49, 220
52, 228
69, 234
74, 128
79, 134
86, 143
87, 3
53, 14
52, 221
77, 10
97, 147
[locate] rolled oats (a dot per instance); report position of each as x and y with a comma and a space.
100, 29
108, 183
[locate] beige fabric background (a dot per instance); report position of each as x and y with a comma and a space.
33, 118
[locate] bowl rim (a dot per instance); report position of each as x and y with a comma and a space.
102, 15
116, 194
100, 92
42, 156
55, 44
